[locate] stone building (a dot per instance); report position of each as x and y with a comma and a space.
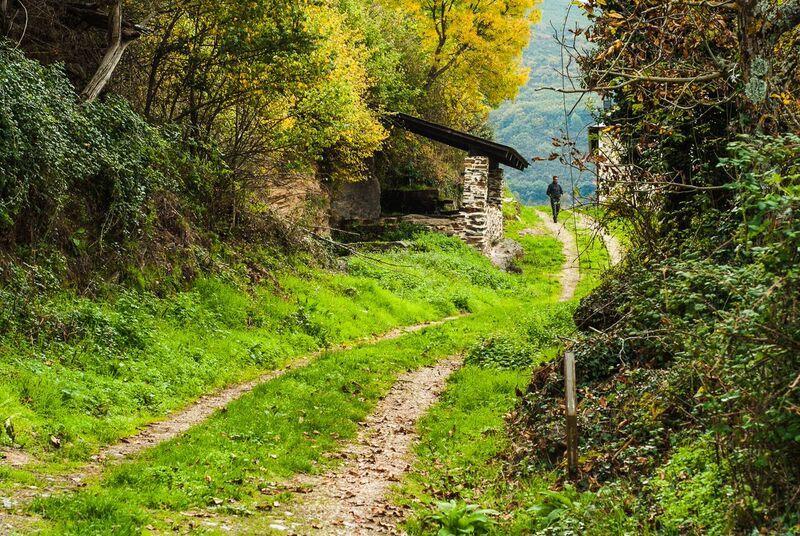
478, 218
613, 162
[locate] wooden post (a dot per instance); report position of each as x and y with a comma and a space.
572, 414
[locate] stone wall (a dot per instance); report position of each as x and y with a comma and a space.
482, 202
479, 222
494, 226
356, 201
300, 198
473, 200
494, 209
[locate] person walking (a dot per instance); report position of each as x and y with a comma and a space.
554, 192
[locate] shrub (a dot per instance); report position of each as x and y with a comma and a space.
715, 307
455, 518
501, 351
100, 160
691, 490
546, 325
461, 301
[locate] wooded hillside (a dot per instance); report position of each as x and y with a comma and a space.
535, 119
190, 117
688, 353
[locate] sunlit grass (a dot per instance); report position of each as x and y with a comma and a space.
108, 366
463, 439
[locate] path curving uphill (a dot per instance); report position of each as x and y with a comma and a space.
570, 270
615, 250
353, 500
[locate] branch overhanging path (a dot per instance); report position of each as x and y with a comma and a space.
570, 271
615, 250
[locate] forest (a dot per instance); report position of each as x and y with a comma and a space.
189, 343
224, 105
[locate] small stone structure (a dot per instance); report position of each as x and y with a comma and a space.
482, 203
356, 201
479, 219
612, 161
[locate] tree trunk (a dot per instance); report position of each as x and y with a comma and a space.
118, 42
760, 27
5, 17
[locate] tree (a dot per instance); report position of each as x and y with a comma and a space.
119, 37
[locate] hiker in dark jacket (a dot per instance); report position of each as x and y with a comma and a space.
554, 192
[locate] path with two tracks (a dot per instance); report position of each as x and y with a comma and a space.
352, 499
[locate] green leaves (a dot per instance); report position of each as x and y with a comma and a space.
455, 518
553, 505
53, 151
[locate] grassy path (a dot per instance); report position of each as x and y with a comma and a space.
175, 424
570, 271
234, 462
353, 500
616, 251
238, 469
463, 441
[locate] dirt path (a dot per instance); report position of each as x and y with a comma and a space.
164, 430
353, 499
203, 408
615, 250
570, 270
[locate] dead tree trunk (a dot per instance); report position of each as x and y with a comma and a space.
118, 41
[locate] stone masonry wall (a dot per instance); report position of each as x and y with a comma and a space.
494, 209
494, 227
481, 204
356, 201
474, 200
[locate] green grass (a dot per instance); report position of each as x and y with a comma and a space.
294, 423
594, 258
284, 427
95, 370
543, 257
617, 227
463, 439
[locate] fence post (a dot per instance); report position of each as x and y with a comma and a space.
572, 414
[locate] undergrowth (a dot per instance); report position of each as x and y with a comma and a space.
687, 363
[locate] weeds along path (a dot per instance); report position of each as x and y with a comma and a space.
570, 270
353, 500
615, 250
177, 423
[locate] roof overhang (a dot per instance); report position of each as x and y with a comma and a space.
501, 154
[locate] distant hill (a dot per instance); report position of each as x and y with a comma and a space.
531, 121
